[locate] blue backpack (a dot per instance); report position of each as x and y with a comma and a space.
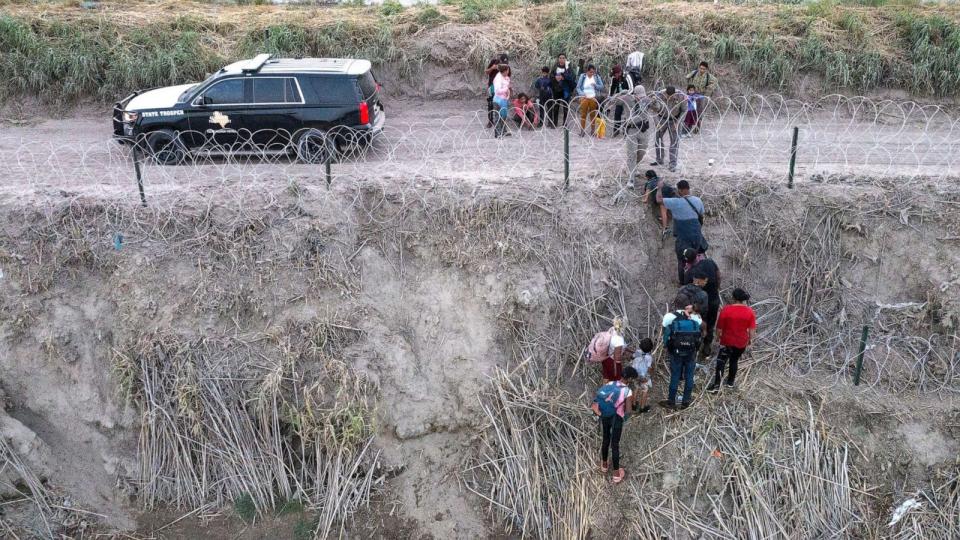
607, 398
685, 336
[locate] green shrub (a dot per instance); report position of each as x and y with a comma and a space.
245, 508
429, 15
391, 7
476, 11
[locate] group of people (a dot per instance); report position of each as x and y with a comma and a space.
687, 331
553, 93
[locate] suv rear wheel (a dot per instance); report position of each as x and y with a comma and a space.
315, 146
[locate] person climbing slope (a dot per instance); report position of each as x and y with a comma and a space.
735, 329
687, 212
681, 338
611, 404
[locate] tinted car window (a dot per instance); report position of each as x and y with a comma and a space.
335, 90
229, 91
368, 85
275, 90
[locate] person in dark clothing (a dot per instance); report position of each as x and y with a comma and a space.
651, 186
618, 85
562, 90
706, 275
493, 67
543, 87
612, 403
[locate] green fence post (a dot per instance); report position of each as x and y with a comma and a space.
326, 166
566, 158
793, 156
136, 168
863, 347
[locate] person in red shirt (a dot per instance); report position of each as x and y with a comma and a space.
735, 327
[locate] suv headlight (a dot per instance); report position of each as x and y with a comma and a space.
130, 116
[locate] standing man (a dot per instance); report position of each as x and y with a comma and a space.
493, 68
614, 400
687, 211
705, 273
706, 85
636, 128
681, 339
671, 108
735, 329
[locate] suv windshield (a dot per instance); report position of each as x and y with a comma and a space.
186, 93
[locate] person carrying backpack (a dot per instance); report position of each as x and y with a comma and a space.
681, 339
612, 403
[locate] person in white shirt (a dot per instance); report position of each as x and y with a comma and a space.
589, 86
642, 361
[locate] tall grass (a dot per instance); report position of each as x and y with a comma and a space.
94, 57
933, 45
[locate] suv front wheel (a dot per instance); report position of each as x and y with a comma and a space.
165, 147
315, 146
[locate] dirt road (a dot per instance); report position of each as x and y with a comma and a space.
448, 141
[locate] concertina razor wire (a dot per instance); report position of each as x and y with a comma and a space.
746, 136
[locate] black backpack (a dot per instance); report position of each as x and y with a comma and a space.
684, 336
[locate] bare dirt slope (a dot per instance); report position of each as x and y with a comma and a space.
402, 304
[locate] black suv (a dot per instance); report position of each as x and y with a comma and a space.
308, 106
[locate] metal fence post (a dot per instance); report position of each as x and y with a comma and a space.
566, 158
863, 347
326, 167
793, 156
136, 168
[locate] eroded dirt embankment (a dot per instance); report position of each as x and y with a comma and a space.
220, 342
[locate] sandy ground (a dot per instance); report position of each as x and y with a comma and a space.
448, 140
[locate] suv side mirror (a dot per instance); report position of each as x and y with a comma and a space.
200, 101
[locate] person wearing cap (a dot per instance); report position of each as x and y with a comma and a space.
735, 329
619, 87
705, 273
670, 108
493, 68
636, 129
687, 212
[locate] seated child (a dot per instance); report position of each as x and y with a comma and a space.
525, 112
642, 361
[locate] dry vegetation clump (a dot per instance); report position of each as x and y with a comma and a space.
265, 418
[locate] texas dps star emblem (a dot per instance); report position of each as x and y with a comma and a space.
219, 118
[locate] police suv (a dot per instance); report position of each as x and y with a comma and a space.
309, 106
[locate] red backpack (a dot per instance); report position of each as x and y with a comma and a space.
599, 348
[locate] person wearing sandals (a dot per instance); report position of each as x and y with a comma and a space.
611, 404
